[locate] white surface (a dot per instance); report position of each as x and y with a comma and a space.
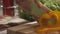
32, 22
17, 20
9, 19
5, 20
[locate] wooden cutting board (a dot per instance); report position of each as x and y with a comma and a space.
23, 29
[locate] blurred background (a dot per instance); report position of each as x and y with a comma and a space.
11, 14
